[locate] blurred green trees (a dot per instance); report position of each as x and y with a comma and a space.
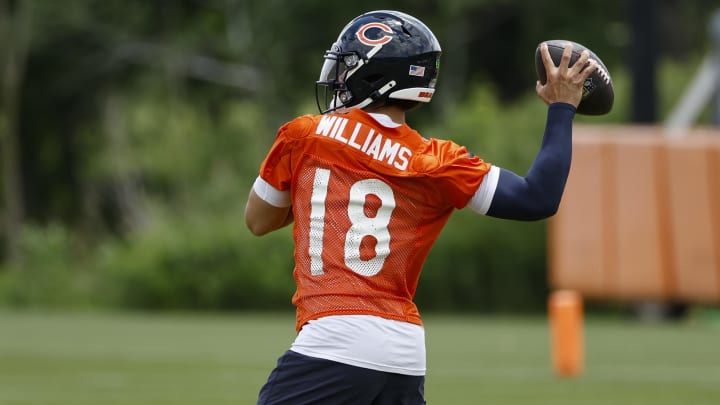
131, 132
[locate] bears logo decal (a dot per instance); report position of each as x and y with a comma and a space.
381, 39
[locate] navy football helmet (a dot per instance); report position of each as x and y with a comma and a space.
379, 55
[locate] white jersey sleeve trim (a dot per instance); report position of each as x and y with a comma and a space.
480, 202
270, 194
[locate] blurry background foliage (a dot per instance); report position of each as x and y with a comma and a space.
131, 132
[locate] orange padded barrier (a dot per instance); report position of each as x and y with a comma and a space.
640, 217
690, 206
577, 240
638, 225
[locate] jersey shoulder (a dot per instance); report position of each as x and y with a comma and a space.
437, 154
299, 127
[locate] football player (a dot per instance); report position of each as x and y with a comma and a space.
368, 196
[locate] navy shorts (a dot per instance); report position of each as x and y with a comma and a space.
300, 379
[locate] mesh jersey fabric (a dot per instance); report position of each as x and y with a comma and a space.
368, 203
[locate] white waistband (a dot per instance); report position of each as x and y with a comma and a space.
365, 341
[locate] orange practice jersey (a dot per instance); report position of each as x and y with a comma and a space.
368, 202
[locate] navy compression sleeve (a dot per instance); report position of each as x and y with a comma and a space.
537, 195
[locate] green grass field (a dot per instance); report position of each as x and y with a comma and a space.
75, 359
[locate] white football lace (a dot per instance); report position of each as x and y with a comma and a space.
603, 74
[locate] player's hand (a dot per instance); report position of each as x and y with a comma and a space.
564, 83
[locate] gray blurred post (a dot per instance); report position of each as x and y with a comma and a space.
704, 89
715, 55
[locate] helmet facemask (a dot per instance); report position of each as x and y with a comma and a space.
331, 86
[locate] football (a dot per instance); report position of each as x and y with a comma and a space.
598, 93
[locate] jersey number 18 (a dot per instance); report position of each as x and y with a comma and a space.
361, 226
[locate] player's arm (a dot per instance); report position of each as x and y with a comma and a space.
504, 194
537, 195
267, 208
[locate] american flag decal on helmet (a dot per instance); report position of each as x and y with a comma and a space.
417, 71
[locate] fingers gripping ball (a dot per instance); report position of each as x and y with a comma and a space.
598, 92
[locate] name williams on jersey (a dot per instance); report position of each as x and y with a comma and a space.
366, 140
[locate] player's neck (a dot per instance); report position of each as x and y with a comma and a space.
395, 113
